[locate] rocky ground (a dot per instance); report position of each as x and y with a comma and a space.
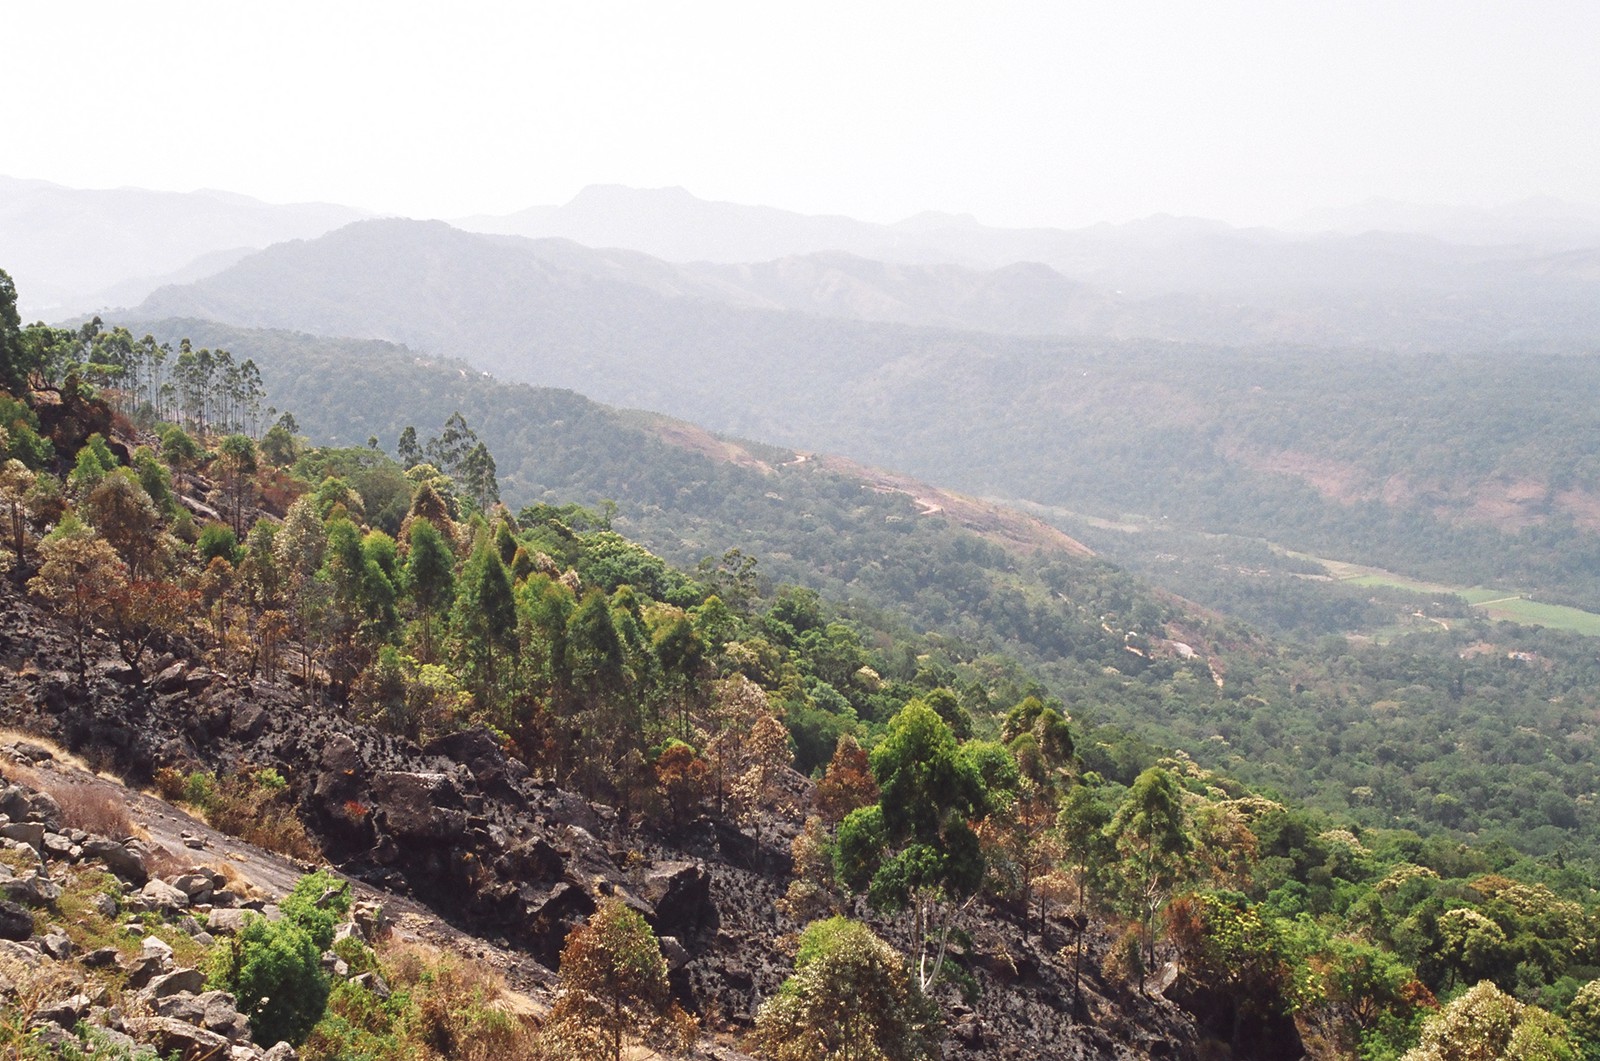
463, 845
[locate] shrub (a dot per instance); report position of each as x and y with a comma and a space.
318, 902
274, 969
851, 995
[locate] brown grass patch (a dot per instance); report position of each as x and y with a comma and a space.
94, 808
241, 805
461, 1004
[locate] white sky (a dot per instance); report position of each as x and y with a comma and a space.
1056, 112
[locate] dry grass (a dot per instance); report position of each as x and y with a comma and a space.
86, 802
241, 806
62, 756
463, 1008
92, 807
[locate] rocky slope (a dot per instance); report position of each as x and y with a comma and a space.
457, 831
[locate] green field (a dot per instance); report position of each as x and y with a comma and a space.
1495, 603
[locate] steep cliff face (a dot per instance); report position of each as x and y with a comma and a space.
510, 863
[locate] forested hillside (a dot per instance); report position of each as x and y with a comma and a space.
1461, 466
1230, 696
1015, 867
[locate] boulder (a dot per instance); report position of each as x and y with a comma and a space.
197, 886
56, 944
477, 749
101, 958
30, 833
35, 889
16, 923
680, 893
163, 896
146, 968
66, 1013
418, 807
171, 680
171, 1036
215, 1011
43, 808
248, 722
228, 922
550, 918
128, 861
176, 982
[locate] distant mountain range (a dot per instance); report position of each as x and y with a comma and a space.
75, 251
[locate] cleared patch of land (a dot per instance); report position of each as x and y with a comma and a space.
1492, 602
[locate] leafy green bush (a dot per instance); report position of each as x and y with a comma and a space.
274, 969
318, 902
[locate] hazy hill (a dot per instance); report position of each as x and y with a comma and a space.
75, 250
1543, 222
1372, 249
1452, 461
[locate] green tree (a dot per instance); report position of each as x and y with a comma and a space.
1486, 1024
236, 465
408, 451
484, 617
274, 970
1583, 1016
851, 998
1150, 831
81, 575
95, 460
1086, 852
613, 987
930, 861
430, 575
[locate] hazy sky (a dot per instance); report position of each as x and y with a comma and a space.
1054, 112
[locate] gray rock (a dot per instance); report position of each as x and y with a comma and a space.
128, 861
36, 889
170, 1036
163, 896
280, 1052
220, 1014
228, 922
675, 954
15, 922
179, 980
171, 680
56, 945
103, 905
197, 886
145, 968
374, 983
156, 947
66, 1013
43, 808
59, 847
20, 954
102, 958
30, 833
680, 892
